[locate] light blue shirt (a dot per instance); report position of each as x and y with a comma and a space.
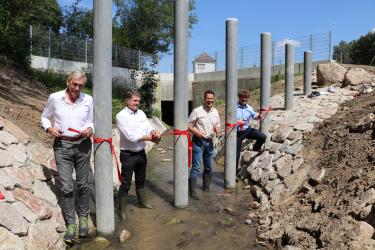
245, 113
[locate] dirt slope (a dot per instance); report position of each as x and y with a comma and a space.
330, 214
22, 101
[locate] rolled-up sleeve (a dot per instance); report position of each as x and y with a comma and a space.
48, 111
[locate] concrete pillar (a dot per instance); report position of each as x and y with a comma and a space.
231, 73
102, 87
289, 76
307, 69
181, 95
265, 78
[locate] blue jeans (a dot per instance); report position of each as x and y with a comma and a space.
205, 149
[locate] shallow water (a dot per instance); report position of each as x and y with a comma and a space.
215, 222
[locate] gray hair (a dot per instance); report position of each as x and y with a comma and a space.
79, 74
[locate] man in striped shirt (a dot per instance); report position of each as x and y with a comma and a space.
204, 123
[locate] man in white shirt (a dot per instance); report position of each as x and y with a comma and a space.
135, 130
71, 108
204, 123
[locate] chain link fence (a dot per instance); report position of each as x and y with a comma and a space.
48, 44
249, 56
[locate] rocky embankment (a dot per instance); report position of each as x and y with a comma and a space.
30, 217
286, 176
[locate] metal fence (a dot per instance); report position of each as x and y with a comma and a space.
46, 43
249, 56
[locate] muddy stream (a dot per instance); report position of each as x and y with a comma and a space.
217, 221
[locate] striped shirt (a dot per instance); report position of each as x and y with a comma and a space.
205, 120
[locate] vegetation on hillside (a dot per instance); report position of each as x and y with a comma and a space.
360, 51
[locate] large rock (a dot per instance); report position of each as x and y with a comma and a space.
36, 205
7, 138
356, 76
9, 241
283, 166
5, 159
21, 176
25, 212
281, 133
18, 153
39, 154
11, 219
329, 73
43, 236
43, 191
15, 130
295, 181
5, 181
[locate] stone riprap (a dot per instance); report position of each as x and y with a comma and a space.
279, 171
29, 213
30, 217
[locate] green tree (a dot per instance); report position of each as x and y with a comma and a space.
363, 49
16, 16
146, 24
78, 21
342, 51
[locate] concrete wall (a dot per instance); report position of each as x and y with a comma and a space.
248, 78
167, 86
120, 76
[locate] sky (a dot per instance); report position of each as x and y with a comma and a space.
284, 19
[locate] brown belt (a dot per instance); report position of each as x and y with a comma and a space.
67, 138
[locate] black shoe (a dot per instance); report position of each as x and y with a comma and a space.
83, 227
206, 182
193, 188
141, 195
70, 233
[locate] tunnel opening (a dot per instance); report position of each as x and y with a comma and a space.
167, 109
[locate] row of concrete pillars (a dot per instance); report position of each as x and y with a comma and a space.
102, 101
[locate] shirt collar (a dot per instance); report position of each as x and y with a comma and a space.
79, 99
131, 112
241, 106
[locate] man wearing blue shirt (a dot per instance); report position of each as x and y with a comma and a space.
244, 115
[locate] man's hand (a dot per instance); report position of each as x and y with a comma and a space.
54, 132
155, 136
201, 135
86, 133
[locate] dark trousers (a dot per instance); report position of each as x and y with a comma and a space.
249, 133
69, 155
133, 162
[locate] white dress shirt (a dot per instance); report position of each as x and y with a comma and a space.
132, 126
79, 115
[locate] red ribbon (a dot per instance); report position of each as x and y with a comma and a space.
265, 110
74, 130
229, 126
1, 196
190, 143
98, 140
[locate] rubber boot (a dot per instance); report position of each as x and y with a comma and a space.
193, 188
122, 201
206, 182
141, 195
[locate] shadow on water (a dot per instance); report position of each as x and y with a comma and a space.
214, 222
